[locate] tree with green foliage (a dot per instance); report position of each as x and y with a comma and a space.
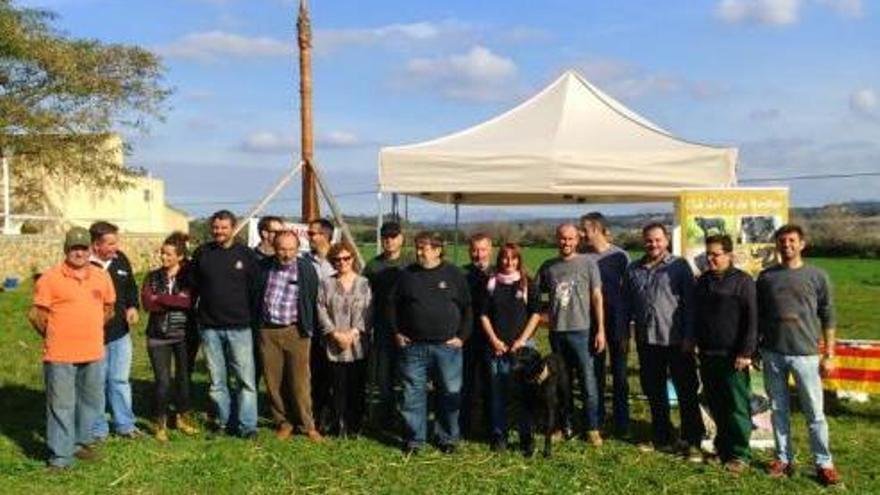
60, 99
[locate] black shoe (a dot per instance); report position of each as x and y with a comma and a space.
249, 435
411, 450
568, 433
134, 434
55, 469
498, 445
447, 448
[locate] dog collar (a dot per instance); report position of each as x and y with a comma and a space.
543, 376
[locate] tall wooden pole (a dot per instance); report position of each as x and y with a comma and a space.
310, 207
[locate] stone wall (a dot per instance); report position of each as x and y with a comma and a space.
24, 255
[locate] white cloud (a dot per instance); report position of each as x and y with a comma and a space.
477, 75
268, 142
764, 114
780, 12
399, 35
772, 12
523, 34
198, 95
865, 103
846, 8
217, 45
626, 80
339, 139
277, 143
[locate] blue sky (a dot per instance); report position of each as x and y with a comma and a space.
795, 84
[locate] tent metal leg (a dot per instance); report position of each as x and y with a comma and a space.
378, 222
455, 246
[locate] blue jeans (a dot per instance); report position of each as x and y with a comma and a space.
232, 348
575, 348
442, 363
617, 352
73, 402
500, 378
805, 369
116, 369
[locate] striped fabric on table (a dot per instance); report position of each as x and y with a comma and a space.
858, 367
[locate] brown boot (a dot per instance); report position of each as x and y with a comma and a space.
314, 436
186, 425
283, 431
160, 429
595, 438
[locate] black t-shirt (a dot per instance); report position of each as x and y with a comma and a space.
508, 307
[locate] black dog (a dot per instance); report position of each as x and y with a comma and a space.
542, 383
711, 225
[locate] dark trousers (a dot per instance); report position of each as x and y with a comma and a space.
320, 381
656, 363
193, 342
474, 411
727, 394
383, 376
258, 360
617, 353
348, 382
161, 358
285, 357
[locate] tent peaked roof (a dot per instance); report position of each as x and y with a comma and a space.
569, 143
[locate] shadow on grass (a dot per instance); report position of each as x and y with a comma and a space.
143, 398
23, 419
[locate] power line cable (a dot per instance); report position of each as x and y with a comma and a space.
812, 177
252, 201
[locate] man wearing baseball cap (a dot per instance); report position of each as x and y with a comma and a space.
72, 301
383, 271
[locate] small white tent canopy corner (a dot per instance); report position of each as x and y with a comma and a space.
570, 143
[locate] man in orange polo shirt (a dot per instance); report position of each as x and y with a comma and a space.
72, 301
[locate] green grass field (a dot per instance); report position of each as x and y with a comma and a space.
226, 465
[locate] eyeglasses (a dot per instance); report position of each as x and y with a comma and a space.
340, 259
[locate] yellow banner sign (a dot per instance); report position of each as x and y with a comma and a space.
748, 216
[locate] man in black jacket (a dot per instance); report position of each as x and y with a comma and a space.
475, 372
285, 313
225, 278
726, 332
431, 318
116, 364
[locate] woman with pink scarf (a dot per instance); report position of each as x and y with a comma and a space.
509, 317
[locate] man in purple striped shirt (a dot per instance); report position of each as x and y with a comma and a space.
287, 314
279, 302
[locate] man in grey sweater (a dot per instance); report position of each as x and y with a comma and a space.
794, 310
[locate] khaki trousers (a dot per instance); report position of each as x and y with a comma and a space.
286, 371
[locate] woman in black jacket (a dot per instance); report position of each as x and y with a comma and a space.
509, 316
166, 296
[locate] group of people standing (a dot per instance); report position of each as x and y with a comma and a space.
320, 330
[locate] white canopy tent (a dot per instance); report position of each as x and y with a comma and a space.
570, 143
